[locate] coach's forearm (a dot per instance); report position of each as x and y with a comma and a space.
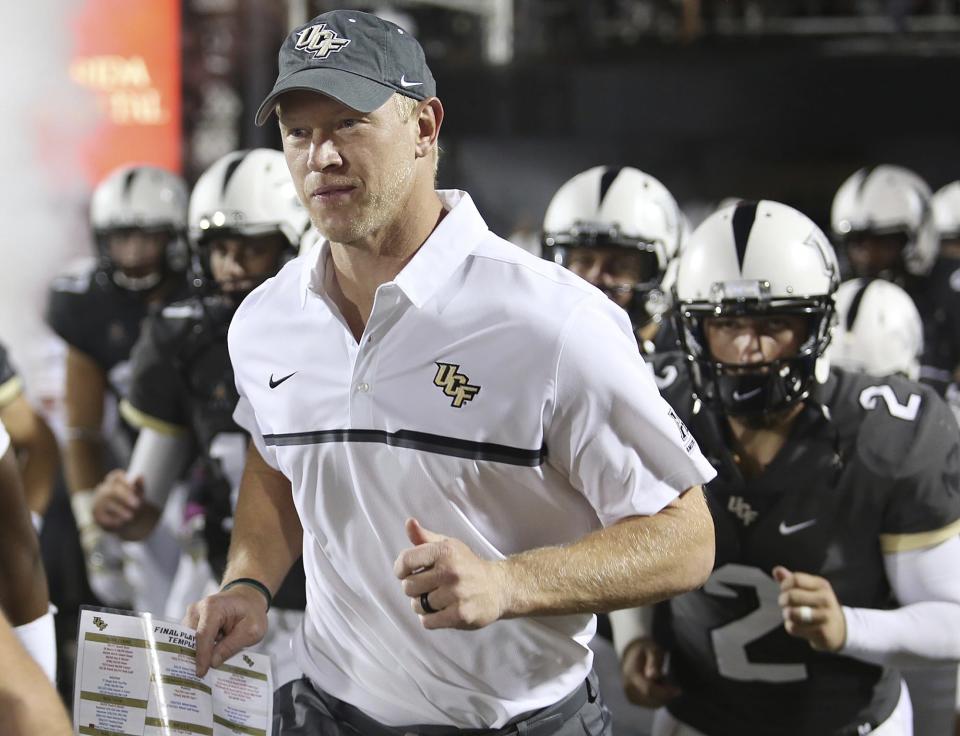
635, 562
267, 536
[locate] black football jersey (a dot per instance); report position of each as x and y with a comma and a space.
10, 384
939, 305
102, 320
182, 381
871, 466
664, 342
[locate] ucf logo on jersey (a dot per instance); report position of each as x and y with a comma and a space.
454, 384
742, 510
320, 41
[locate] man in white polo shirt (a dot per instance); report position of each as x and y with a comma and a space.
456, 434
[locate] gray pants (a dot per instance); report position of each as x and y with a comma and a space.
299, 709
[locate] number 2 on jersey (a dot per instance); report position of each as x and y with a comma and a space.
908, 411
730, 641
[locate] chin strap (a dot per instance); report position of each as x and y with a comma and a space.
821, 369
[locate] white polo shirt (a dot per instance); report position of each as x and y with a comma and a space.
494, 396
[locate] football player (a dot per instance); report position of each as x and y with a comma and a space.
618, 228
138, 216
32, 438
883, 222
245, 222
946, 217
24, 598
945, 276
836, 506
30, 703
878, 330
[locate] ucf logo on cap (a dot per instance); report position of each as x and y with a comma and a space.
320, 41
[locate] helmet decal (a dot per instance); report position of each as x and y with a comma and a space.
606, 181
854, 309
231, 170
744, 216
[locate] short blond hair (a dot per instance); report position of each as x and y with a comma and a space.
406, 107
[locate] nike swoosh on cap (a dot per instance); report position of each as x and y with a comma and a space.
785, 530
274, 384
405, 83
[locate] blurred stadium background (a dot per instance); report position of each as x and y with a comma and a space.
717, 98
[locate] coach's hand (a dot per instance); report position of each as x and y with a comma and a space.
644, 674
466, 592
226, 623
811, 610
116, 500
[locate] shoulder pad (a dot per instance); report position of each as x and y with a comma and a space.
896, 422
173, 326
72, 284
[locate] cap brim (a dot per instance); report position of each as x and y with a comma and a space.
354, 91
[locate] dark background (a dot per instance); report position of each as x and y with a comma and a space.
777, 99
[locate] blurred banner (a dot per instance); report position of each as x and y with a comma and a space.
126, 56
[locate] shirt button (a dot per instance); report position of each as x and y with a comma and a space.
363, 387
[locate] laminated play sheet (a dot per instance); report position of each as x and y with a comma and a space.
136, 676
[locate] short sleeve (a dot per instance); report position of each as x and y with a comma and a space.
612, 433
924, 506
157, 396
245, 416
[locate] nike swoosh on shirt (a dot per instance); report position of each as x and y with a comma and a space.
737, 396
405, 83
785, 530
274, 384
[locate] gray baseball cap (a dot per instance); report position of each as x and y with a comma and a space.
355, 58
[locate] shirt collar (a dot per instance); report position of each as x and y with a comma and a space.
431, 266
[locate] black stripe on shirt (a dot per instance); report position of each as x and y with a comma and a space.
421, 441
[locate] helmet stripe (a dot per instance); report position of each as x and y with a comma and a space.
606, 181
862, 184
128, 182
743, 218
231, 170
855, 304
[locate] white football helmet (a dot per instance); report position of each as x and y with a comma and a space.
888, 200
144, 198
245, 193
879, 330
613, 206
946, 211
756, 259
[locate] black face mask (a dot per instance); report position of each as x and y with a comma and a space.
759, 389
767, 388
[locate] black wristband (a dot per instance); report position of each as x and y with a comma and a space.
253, 584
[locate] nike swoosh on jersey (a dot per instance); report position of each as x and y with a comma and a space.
274, 384
405, 83
737, 396
793, 528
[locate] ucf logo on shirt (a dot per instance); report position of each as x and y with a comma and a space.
454, 384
